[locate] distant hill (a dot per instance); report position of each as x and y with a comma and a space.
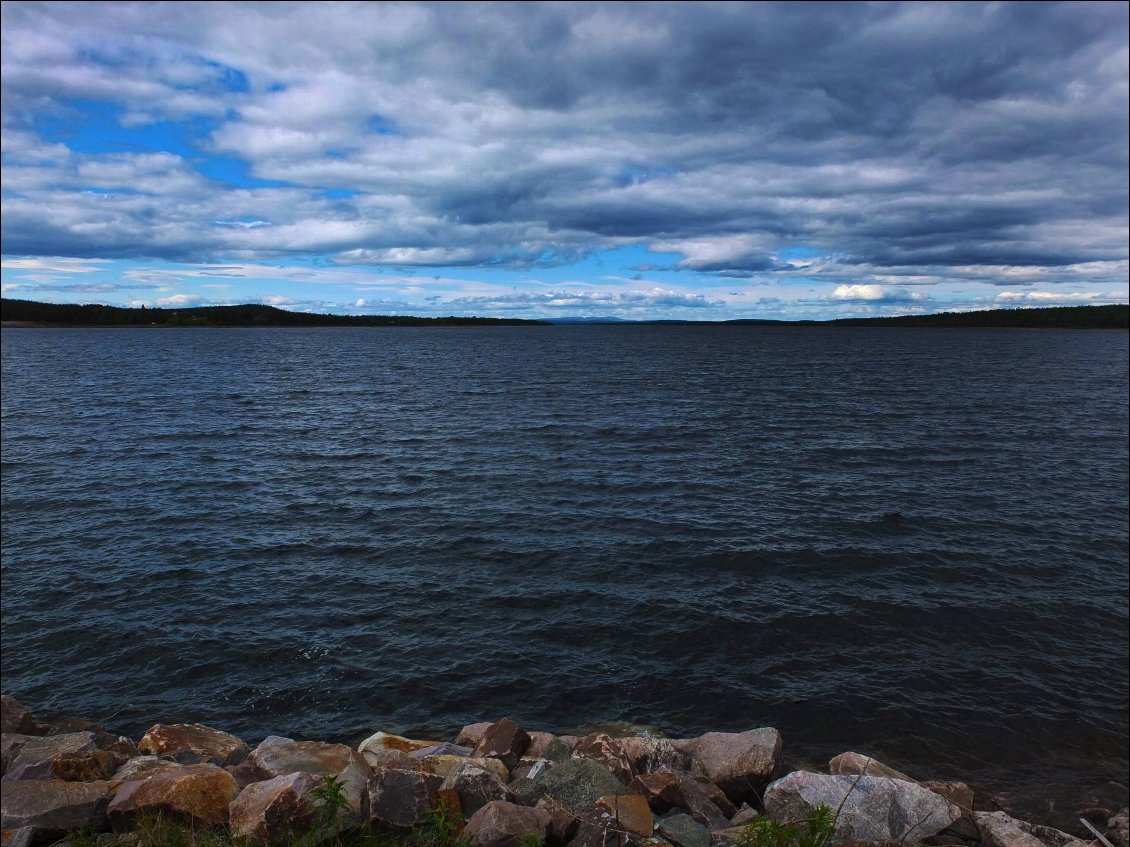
1051, 317
51, 314
29, 313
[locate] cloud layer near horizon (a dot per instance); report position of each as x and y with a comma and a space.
891, 144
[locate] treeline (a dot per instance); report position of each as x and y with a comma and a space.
52, 314
1050, 317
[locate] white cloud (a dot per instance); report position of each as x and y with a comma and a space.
871, 293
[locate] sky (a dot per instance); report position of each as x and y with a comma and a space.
700, 161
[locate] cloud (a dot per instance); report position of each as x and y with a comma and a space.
585, 302
904, 143
876, 294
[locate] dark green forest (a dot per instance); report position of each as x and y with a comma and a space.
51, 314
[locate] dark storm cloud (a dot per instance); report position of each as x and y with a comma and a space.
921, 135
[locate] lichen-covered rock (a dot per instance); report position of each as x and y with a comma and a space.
503, 740
629, 811
873, 808
476, 786
399, 799
502, 824
16, 717
278, 756
577, 783
198, 793
560, 749
275, 810
646, 754
740, 763
37, 754
53, 806
857, 763
684, 831
193, 744
602, 748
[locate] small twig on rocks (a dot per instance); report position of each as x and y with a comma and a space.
1095, 832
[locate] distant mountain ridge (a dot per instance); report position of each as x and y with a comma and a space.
31, 313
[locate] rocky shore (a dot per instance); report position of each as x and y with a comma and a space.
502, 785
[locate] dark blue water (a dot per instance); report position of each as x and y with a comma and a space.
325, 532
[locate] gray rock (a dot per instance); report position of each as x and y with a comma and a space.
558, 750
476, 786
25, 836
105, 739
193, 744
740, 763
1000, 830
139, 766
399, 799
444, 749
502, 824
10, 745
684, 831
1118, 828
873, 808
53, 806
16, 717
743, 816
37, 755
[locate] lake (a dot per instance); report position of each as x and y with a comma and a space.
907, 542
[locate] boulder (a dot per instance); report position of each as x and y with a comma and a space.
53, 806
598, 829
734, 835
666, 789
383, 742
25, 836
101, 764
684, 831
539, 741
200, 794
37, 754
10, 745
602, 748
103, 738
273, 811
444, 749
140, 766
629, 811
740, 763
503, 740
193, 744
646, 754
442, 766
16, 717
563, 822
278, 756
399, 799
744, 815
476, 786
998, 829
560, 749
1118, 828
577, 783
957, 793
502, 824
472, 734
858, 763
873, 808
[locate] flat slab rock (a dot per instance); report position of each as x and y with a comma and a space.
53, 805
37, 755
193, 743
874, 808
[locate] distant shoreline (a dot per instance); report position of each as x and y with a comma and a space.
27, 314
